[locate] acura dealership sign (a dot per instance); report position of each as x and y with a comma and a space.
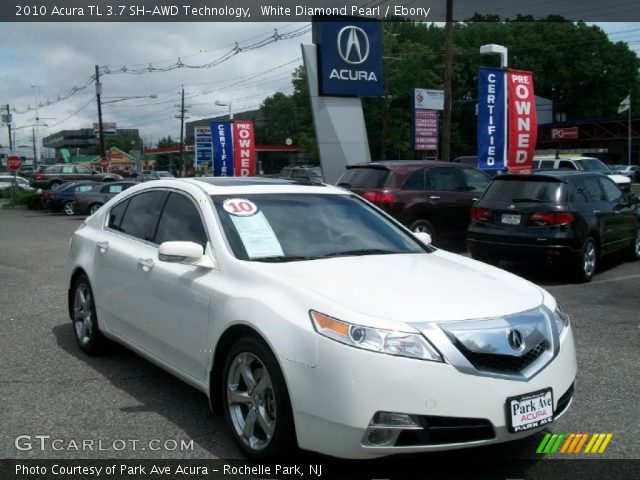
349, 57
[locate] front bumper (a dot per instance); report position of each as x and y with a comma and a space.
335, 401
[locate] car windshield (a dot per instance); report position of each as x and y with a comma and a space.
294, 227
594, 165
524, 191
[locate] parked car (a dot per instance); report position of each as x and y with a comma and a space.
554, 216
582, 164
157, 174
61, 199
7, 180
631, 171
145, 177
309, 173
88, 202
426, 196
50, 176
259, 293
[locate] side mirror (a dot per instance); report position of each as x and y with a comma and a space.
423, 237
188, 253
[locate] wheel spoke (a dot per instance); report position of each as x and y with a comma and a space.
265, 424
263, 384
249, 424
236, 396
247, 374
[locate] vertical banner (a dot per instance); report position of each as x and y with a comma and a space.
222, 143
204, 152
244, 149
523, 121
492, 104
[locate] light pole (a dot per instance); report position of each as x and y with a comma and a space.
37, 130
497, 49
226, 104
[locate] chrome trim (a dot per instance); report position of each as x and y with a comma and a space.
491, 336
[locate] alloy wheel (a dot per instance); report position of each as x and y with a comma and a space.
94, 208
69, 208
83, 314
589, 255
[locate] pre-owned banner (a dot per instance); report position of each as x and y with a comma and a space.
492, 131
244, 148
523, 121
222, 143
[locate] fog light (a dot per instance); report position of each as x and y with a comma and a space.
391, 419
381, 436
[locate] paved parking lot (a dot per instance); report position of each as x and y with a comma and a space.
49, 388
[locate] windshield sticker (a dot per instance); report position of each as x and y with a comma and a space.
257, 236
240, 207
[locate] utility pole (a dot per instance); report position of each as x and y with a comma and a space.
35, 150
385, 98
182, 131
9, 126
448, 74
36, 157
100, 133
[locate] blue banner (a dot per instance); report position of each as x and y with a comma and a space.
492, 129
349, 56
204, 153
222, 142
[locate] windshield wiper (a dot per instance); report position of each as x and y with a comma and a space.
525, 200
281, 259
361, 251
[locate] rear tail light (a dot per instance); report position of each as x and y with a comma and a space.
385, 197
481, 214
49, 196
39, 176
551, 218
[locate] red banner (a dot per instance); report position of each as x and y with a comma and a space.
244, 149
523, 121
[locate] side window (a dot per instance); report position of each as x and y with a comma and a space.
476, 181
141, 210
180, 221
593, 191
84, 188
285, 172
114, 189
68, 169
566, 164
611, 191
446, 178
54, 169
546, 164
83, 170
416, 181
580, 193
116, 214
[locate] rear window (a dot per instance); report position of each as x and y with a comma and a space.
522, 191
364, 178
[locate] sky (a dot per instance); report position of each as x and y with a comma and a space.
60, 56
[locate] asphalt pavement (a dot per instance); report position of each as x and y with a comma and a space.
49, 388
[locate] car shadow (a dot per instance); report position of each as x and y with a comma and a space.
156, 391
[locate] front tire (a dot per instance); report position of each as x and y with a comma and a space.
94, 208
634, 250
256, 402
69, 209
587, 261
84, 318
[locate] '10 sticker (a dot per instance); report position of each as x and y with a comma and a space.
239, 207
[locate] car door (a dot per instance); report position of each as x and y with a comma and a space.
176, 320
68, 173
120, 266
84, 173
622, 219
446, 188
601, 209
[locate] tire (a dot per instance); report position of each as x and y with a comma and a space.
424, 226
94, 208
69, 209
82, 310
587, 261
249, 395
55, 184
634, 250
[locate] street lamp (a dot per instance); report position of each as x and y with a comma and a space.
226, 104
497, 49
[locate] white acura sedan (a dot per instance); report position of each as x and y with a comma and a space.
311, 318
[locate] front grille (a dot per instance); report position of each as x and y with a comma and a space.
564, 400
488, 362
442, 430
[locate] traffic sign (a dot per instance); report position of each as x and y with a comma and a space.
104, 162
14, 163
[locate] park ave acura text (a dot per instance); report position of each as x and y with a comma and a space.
311, 318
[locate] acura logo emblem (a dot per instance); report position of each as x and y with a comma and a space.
353, 45
515, 340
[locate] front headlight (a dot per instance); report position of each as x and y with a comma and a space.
561, 318
392, 342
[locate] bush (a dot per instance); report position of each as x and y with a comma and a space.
23, 197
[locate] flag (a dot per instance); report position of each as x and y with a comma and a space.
625, 104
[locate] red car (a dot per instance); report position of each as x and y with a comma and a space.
426, 196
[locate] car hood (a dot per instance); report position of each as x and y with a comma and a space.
619, 179
413, 288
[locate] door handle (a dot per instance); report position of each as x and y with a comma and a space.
475, 199
146, 263
434, 197
596, 212
103, 246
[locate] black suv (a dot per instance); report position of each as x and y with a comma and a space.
556, 216
309, 173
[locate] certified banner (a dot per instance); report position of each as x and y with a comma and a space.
222, 143
523, 121
244, 149
491, 119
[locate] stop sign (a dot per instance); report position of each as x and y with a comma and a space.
14, 163
104, 163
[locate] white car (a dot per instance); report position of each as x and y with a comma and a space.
583, 164
6, 181
310, 317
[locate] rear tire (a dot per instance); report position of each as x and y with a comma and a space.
94, 208
69, 209
587, 262
54, 184
426, 227
255, 401
634, 250
82, 309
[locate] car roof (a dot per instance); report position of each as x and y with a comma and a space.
550, 174
404, 164
249, 185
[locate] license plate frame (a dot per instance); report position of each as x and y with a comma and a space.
533, 410
511, 219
